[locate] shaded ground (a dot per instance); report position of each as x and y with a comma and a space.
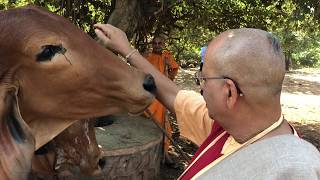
300, 102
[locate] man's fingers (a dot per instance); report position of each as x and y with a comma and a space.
105, 28
112, 37
99, 26
102, 36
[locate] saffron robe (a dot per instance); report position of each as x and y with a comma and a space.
166, 64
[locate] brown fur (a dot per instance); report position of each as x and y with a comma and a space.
84, 82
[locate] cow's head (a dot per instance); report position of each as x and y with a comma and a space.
62, 75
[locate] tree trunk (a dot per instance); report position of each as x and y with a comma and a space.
288, 60
125, 16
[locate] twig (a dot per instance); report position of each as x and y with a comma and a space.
185, 157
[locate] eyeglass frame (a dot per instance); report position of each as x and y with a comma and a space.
200, 81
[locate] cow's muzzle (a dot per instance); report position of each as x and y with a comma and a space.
149, 83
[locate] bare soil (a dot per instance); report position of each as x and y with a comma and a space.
300, 100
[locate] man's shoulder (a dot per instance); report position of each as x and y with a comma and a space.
279, 157
187, 100
283, 149
283, 157
190, 95
288, 141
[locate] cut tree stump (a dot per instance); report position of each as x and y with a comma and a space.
132, 148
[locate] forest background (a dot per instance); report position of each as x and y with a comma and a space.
190, 24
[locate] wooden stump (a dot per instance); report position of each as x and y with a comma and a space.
132, 148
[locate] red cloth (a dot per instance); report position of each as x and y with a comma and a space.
212, 153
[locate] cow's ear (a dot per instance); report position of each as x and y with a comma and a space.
16, 141
10, 115
7, 100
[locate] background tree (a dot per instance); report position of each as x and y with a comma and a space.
189, 24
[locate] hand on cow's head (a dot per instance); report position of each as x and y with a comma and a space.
113, 38
62, 74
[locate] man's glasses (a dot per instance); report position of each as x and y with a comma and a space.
201, 81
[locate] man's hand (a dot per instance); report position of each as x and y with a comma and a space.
113, 38
116, 40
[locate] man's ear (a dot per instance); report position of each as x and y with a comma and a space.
232, 93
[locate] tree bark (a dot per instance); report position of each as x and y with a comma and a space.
288, 60
126, 16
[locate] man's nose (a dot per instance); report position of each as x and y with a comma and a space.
149, 83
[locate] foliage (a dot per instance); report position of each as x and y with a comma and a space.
189, 24
83, 13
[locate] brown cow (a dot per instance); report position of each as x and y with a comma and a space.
57, 74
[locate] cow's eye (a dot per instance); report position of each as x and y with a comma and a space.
48, 51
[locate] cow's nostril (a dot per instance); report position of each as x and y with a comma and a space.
102, 163
149, 83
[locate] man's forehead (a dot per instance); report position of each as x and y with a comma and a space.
208, 66
219, 45
215, 49
212, 49
221, 40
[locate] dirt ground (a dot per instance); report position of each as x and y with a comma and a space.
300, 100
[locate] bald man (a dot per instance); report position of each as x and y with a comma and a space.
238, 122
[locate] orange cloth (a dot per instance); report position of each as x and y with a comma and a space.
160, 61
164, 62
192, 116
